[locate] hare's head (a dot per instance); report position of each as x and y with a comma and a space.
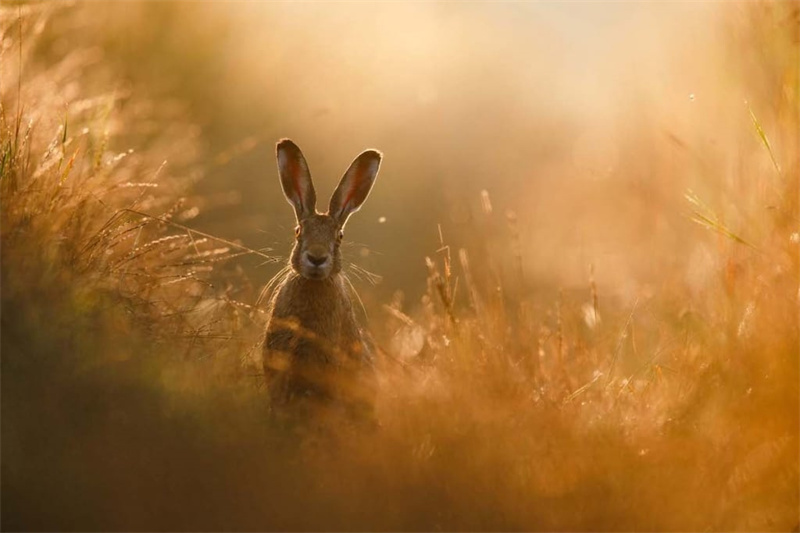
318, 236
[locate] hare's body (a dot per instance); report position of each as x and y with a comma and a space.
321, 307
314, 347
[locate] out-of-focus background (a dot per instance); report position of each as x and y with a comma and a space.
579, 261
588, 120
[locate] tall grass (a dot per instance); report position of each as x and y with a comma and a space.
131, 395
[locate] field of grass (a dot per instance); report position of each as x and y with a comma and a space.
131, 390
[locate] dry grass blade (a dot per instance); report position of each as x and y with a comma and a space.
583, 388
623, 334
191, 231
763, 136
702, 214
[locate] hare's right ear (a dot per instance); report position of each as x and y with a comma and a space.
296, 179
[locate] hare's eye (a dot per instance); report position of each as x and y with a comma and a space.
297, 232
340, 236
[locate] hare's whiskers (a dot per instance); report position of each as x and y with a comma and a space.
363, 274
272, 283
354, 292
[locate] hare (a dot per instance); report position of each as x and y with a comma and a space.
314, 348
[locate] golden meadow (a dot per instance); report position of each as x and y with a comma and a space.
580, 261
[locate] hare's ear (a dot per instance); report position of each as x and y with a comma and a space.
355, 186
296, 179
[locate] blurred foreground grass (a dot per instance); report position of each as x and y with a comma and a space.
130, 390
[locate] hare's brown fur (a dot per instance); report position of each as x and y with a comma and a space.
314, 347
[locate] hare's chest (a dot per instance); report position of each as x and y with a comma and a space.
313, 309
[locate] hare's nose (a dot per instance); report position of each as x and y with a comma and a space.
317, 260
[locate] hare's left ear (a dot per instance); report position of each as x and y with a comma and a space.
355, 186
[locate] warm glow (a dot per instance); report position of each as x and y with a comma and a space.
578, 264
